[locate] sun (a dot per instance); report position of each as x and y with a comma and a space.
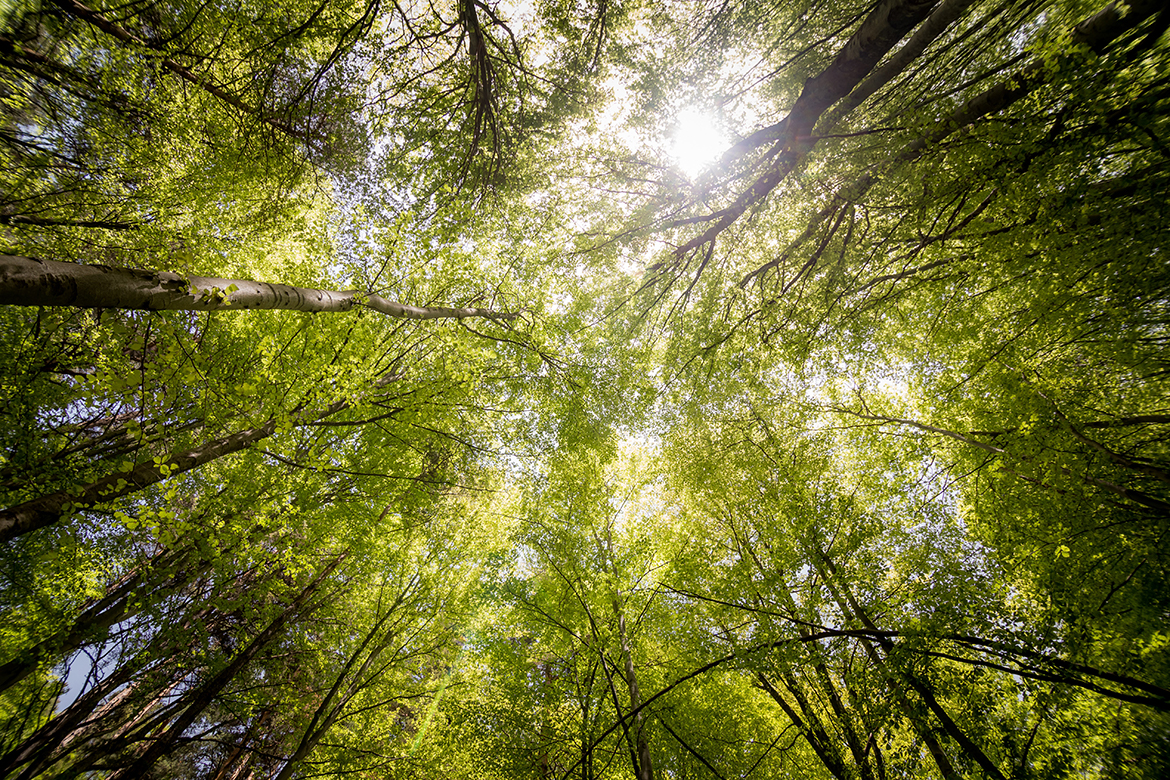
696, 141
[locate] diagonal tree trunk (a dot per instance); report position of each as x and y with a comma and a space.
235, 763
829, 689
644, 768
850, 607
123, 600
49, 509
935, 25
942, 761
345, 687
1097, 32
96, 708
814, 732
880, 31
202, 697
26, 281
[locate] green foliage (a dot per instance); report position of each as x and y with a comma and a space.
846, 457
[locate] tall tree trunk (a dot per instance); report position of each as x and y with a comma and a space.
116, 442
935, 25
946, 768
231, 767
125, 599
122, 720
643, 768
26, 281
205, 694
829, 689
46, 510
881, 30
814, 733
86, 714
1097, 32
342, 692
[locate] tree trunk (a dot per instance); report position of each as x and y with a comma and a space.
813, 732
125, 599
205, 694
1097, 32
26, 281
643, 767
934, 26
84, 716
46, 510
829, 691
232, 767
335, 701
883, 28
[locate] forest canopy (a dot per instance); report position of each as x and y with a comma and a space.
596, 389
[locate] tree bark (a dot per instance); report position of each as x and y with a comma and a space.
47, 510
124, 599
829, 691
935, 25
823, 745
336, 699
849, 605
26, 281
1097, 32
231, 768
883, 28
84, 716
814, 733
205, 694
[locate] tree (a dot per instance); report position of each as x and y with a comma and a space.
538, 454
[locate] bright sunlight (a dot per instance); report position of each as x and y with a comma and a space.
697, 142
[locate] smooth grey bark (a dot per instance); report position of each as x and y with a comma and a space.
27, 281
645, 768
